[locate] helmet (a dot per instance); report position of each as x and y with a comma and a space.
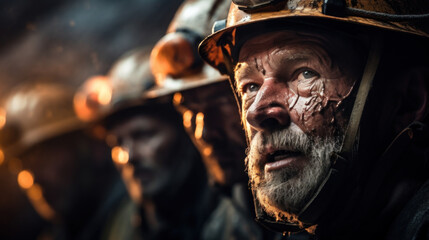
123, 87
31, 114
250, 16
400, 16
174, 60
36, 112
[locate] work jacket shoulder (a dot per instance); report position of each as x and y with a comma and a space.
228, 221
413, 221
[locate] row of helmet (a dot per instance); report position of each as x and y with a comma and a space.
40, 112
35, 112
144, 76
32, 113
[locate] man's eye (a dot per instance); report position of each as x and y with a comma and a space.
251, 87
307, 74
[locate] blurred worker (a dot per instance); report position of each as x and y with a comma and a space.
160, 166
66, 175
209, 111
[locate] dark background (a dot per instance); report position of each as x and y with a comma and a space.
68, 41
65, 41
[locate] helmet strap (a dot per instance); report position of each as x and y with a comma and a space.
361, 97
341, 161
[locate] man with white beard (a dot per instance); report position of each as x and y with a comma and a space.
289, 123
333, 100
272, 182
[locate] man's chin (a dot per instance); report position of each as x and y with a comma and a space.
273, 200
287, 191
275, 208
297, 169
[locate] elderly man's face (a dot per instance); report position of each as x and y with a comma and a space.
292, 86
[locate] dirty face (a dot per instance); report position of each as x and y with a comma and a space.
292, 86
148, 155
213, 123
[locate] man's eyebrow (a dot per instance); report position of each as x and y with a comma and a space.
295, 58
244, 70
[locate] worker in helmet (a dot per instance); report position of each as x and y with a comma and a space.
66, 174
209, 111
201, 91
160, 166
333, 96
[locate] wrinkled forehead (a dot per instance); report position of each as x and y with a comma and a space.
326, 43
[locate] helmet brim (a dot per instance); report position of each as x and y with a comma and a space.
210, 49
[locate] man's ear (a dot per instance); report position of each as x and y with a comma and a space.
412, 89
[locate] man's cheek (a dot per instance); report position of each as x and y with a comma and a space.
301, 117
325, 123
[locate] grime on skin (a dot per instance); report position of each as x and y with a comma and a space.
306, 77
292, 87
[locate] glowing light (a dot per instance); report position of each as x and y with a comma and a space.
133, 186
35, 195
35, 192
2, 118
80, 107
1, 157
207, 151
95, 93
120, 155
25, 179
199, 122
104, 94
187, 118
177, 98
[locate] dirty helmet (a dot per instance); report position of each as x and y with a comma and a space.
36, 112
399, 16
124, 86
175, 62
31, 114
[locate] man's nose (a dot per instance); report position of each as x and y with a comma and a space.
269, 110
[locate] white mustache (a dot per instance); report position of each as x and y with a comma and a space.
287, 189
290, 139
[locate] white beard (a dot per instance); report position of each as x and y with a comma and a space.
283, 193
